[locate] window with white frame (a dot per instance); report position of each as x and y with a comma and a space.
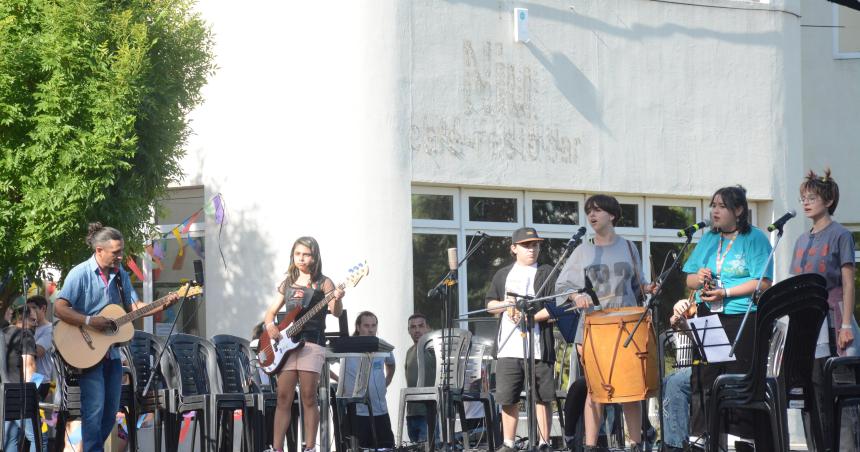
446, 217
846, 32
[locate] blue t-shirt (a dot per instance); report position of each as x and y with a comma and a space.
87, 293
376, 388
744, 262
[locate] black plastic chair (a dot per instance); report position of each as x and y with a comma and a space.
267, 401
69, 406
200, 388
234, 364
16, 398
805, 305
840, 394
143, 349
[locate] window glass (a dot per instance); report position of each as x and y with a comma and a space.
429, 265
497, 210
673, 217
555, 212
629, 216
432, 207
849, 30
483, 265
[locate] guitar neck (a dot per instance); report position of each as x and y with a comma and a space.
142, 312
297, 326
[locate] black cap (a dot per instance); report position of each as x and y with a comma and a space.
525, 235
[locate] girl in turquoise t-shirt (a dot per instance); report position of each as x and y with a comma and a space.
724, 268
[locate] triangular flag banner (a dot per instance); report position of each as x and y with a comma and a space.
179, 262
186, 422
190, 221
178, 240
157, 250
209, 208
219, 209
132, 265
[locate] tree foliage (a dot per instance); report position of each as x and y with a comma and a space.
94, 103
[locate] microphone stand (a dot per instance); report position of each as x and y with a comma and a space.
756, 294
527, 317
157, 363
448, 282
651, 307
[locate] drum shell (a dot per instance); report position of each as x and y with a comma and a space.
616, 374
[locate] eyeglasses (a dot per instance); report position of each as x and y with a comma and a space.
807, 199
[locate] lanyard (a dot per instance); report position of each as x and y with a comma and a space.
722, 256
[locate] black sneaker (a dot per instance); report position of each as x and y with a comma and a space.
505, 448
544, 448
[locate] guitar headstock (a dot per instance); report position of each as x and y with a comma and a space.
193, 291
356, 273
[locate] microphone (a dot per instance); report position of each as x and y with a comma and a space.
690, 230
481, 234
579, 233
198, 271
452, 259
778, 224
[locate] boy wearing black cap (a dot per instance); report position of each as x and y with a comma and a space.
523, 277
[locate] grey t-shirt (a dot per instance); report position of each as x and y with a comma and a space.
44, 338
610, 270
825, 253
375, 386
419, 409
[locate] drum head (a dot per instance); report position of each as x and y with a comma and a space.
614, 315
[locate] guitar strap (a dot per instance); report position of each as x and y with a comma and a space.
122, 298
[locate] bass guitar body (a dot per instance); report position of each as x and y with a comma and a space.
273, 357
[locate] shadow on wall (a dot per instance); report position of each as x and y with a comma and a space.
238, 299
573, 84
638, 31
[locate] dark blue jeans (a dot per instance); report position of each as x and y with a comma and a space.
100, 391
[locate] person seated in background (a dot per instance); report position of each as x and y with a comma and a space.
416, 413
20, 360
44, 330
366, 325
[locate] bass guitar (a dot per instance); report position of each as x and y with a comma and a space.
273, 352
84, 346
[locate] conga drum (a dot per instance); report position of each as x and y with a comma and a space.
614, 373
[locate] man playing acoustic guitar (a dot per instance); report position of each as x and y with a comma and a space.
89, 287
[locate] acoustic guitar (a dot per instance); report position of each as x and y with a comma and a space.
84, 346
274, 352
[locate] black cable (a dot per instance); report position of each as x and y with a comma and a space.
678, 2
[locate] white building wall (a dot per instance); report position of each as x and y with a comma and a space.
622, 96
831, 108
304, 131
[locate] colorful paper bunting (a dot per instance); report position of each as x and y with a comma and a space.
132, 265
219, 209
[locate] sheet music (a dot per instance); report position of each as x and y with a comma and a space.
711, 334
